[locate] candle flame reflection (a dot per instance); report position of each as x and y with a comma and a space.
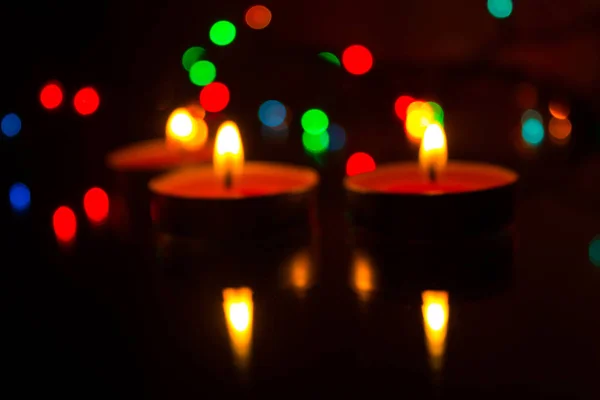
363, 277
435, 317
239, 313
228, 157
185, 131
300, 272
433, 153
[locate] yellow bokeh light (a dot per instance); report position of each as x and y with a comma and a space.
228, 157
239, 312
436, 311
419, 115
433, 153
185, 131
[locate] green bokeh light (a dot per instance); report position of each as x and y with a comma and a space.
191, 55
500, 8
330, 58
202, 73
438, 112
594, 251
314, 121
315, 144
222, 33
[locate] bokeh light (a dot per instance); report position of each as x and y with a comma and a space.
214, 97
196, 111
438, 112
185, 130
86, 101
330, 58
96, 205
337, 137
594, 251
401, 105
11, 124
419, 115
64, 223
19, 196
202, 73
272, 113
532, 131
315, 143
51, 96
559, 110
357, 59
191, 55
222, 33
559, 129
258, 17
531, 114
314, 121
359, 163
500, 8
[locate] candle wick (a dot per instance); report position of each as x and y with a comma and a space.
228, 180
432, 174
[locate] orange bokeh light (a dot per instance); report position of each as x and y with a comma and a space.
258, 17
64, 223
214, 97
357, 59
419, 115
559, 110
401, 106
86, 101
51, 96
359, 163
559, 128
96, 205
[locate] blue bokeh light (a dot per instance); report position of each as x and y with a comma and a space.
337, 137
272, 113
20, 197
11, 124
533, 131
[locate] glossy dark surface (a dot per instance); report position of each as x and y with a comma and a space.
131, 313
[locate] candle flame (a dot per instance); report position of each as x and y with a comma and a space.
435, 316
239, 312
433, 154
228, 157
185, 131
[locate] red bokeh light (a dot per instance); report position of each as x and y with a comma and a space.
401, 105
214, 97
359, 163
96, 205
86, 101
357, 59
64, 223
51, 96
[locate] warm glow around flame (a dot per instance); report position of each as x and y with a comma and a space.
239, 311
185, 131
228, 157
435, 316
433, 152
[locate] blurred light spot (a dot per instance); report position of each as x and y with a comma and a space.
500, 8
438, 112
239, 311
315, 143
222, 33
314, 121
214, 97
272, 113
186, 131
191, 55
86, 101
359, 163
363, 279
559, 110
532, 131
258, 17
337, 137
51, 96
594, 251
64, 223
11, 124
196, 111
202, 73
531, 114
527, 95
559, 129
357, 59
96, 205
418, 117
330, 58
401, 105
19, 196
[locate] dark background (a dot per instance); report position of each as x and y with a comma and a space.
105, 318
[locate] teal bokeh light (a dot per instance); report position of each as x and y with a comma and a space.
500, 8
532, 131
594, 251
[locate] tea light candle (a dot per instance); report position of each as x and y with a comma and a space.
233, 198
435, 197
